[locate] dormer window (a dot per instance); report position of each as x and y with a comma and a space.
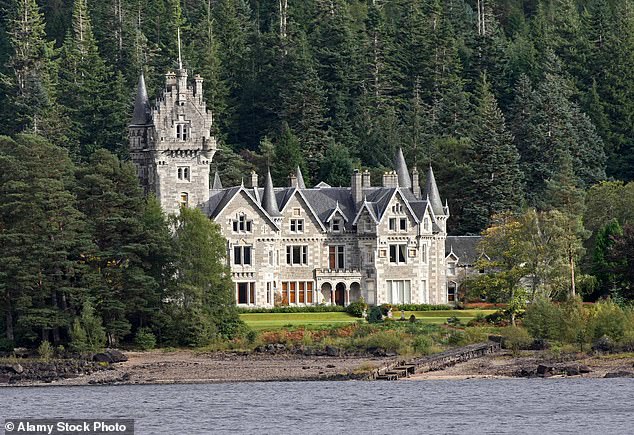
242, 224
183, 173
182, 131
426, 224
451, 268
336, 225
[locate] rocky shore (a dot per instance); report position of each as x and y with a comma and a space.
182, 366
159, 367
537, 364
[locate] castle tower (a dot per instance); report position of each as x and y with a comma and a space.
171, 144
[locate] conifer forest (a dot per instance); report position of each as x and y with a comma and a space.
524, 108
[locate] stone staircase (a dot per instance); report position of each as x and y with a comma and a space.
440, 361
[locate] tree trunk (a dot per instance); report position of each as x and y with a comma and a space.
572, 276
8, 329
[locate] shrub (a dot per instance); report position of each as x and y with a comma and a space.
251, 336
608, 319
516, 338
45, 350
375, 315
389, 340
288, 309
145, 339
357, 308
422, 307
543, 319
6, 345
423, 344
454, 321
499, 318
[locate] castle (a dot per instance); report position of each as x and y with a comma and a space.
296, 245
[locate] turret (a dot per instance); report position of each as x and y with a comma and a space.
269, 202
401, 170
431, 190
300, 179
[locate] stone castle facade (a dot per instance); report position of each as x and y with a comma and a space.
296, 245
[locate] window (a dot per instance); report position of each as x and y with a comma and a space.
451, 268
423, 290
336, 257
423, 253
297, 212
426, 224
336, 225
403, 224
242, 255
297, 292
269, 292
242, 224
368, 226
297, 225
296, 255
245, 293
181, 131
183, 173
451, 292
399, 292
392, 224
397, 254
184, 199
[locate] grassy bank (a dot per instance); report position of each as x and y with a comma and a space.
275, 321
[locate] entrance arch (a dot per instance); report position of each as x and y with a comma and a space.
326, 293
340, 294
355, 292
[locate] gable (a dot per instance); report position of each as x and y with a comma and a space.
242, 202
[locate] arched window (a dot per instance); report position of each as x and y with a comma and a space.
184, 199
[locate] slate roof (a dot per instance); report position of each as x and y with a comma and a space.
465, 248
141, 114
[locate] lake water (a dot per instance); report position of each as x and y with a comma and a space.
505, 406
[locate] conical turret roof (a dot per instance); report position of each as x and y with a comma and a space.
300, 179
141, 114
401, 170
431, 190
269, 202
217, 185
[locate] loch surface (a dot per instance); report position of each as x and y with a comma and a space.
484, 406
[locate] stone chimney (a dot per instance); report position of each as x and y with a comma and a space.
292, 180
390, 179
254, 179
416, 183
356, 187
365, 179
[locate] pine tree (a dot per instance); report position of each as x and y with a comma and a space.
31, 105
42, 240
122, 287
336, 165
288, 156
496, 180
84, 85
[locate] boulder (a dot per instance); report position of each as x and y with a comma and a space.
116, 355
12, 368
102, 357
603, 344
110, 356
572, 370
584, 369
619, 374
544, 371
4, 379
540, 344
332, 351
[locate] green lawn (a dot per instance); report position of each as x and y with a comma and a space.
271, 321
